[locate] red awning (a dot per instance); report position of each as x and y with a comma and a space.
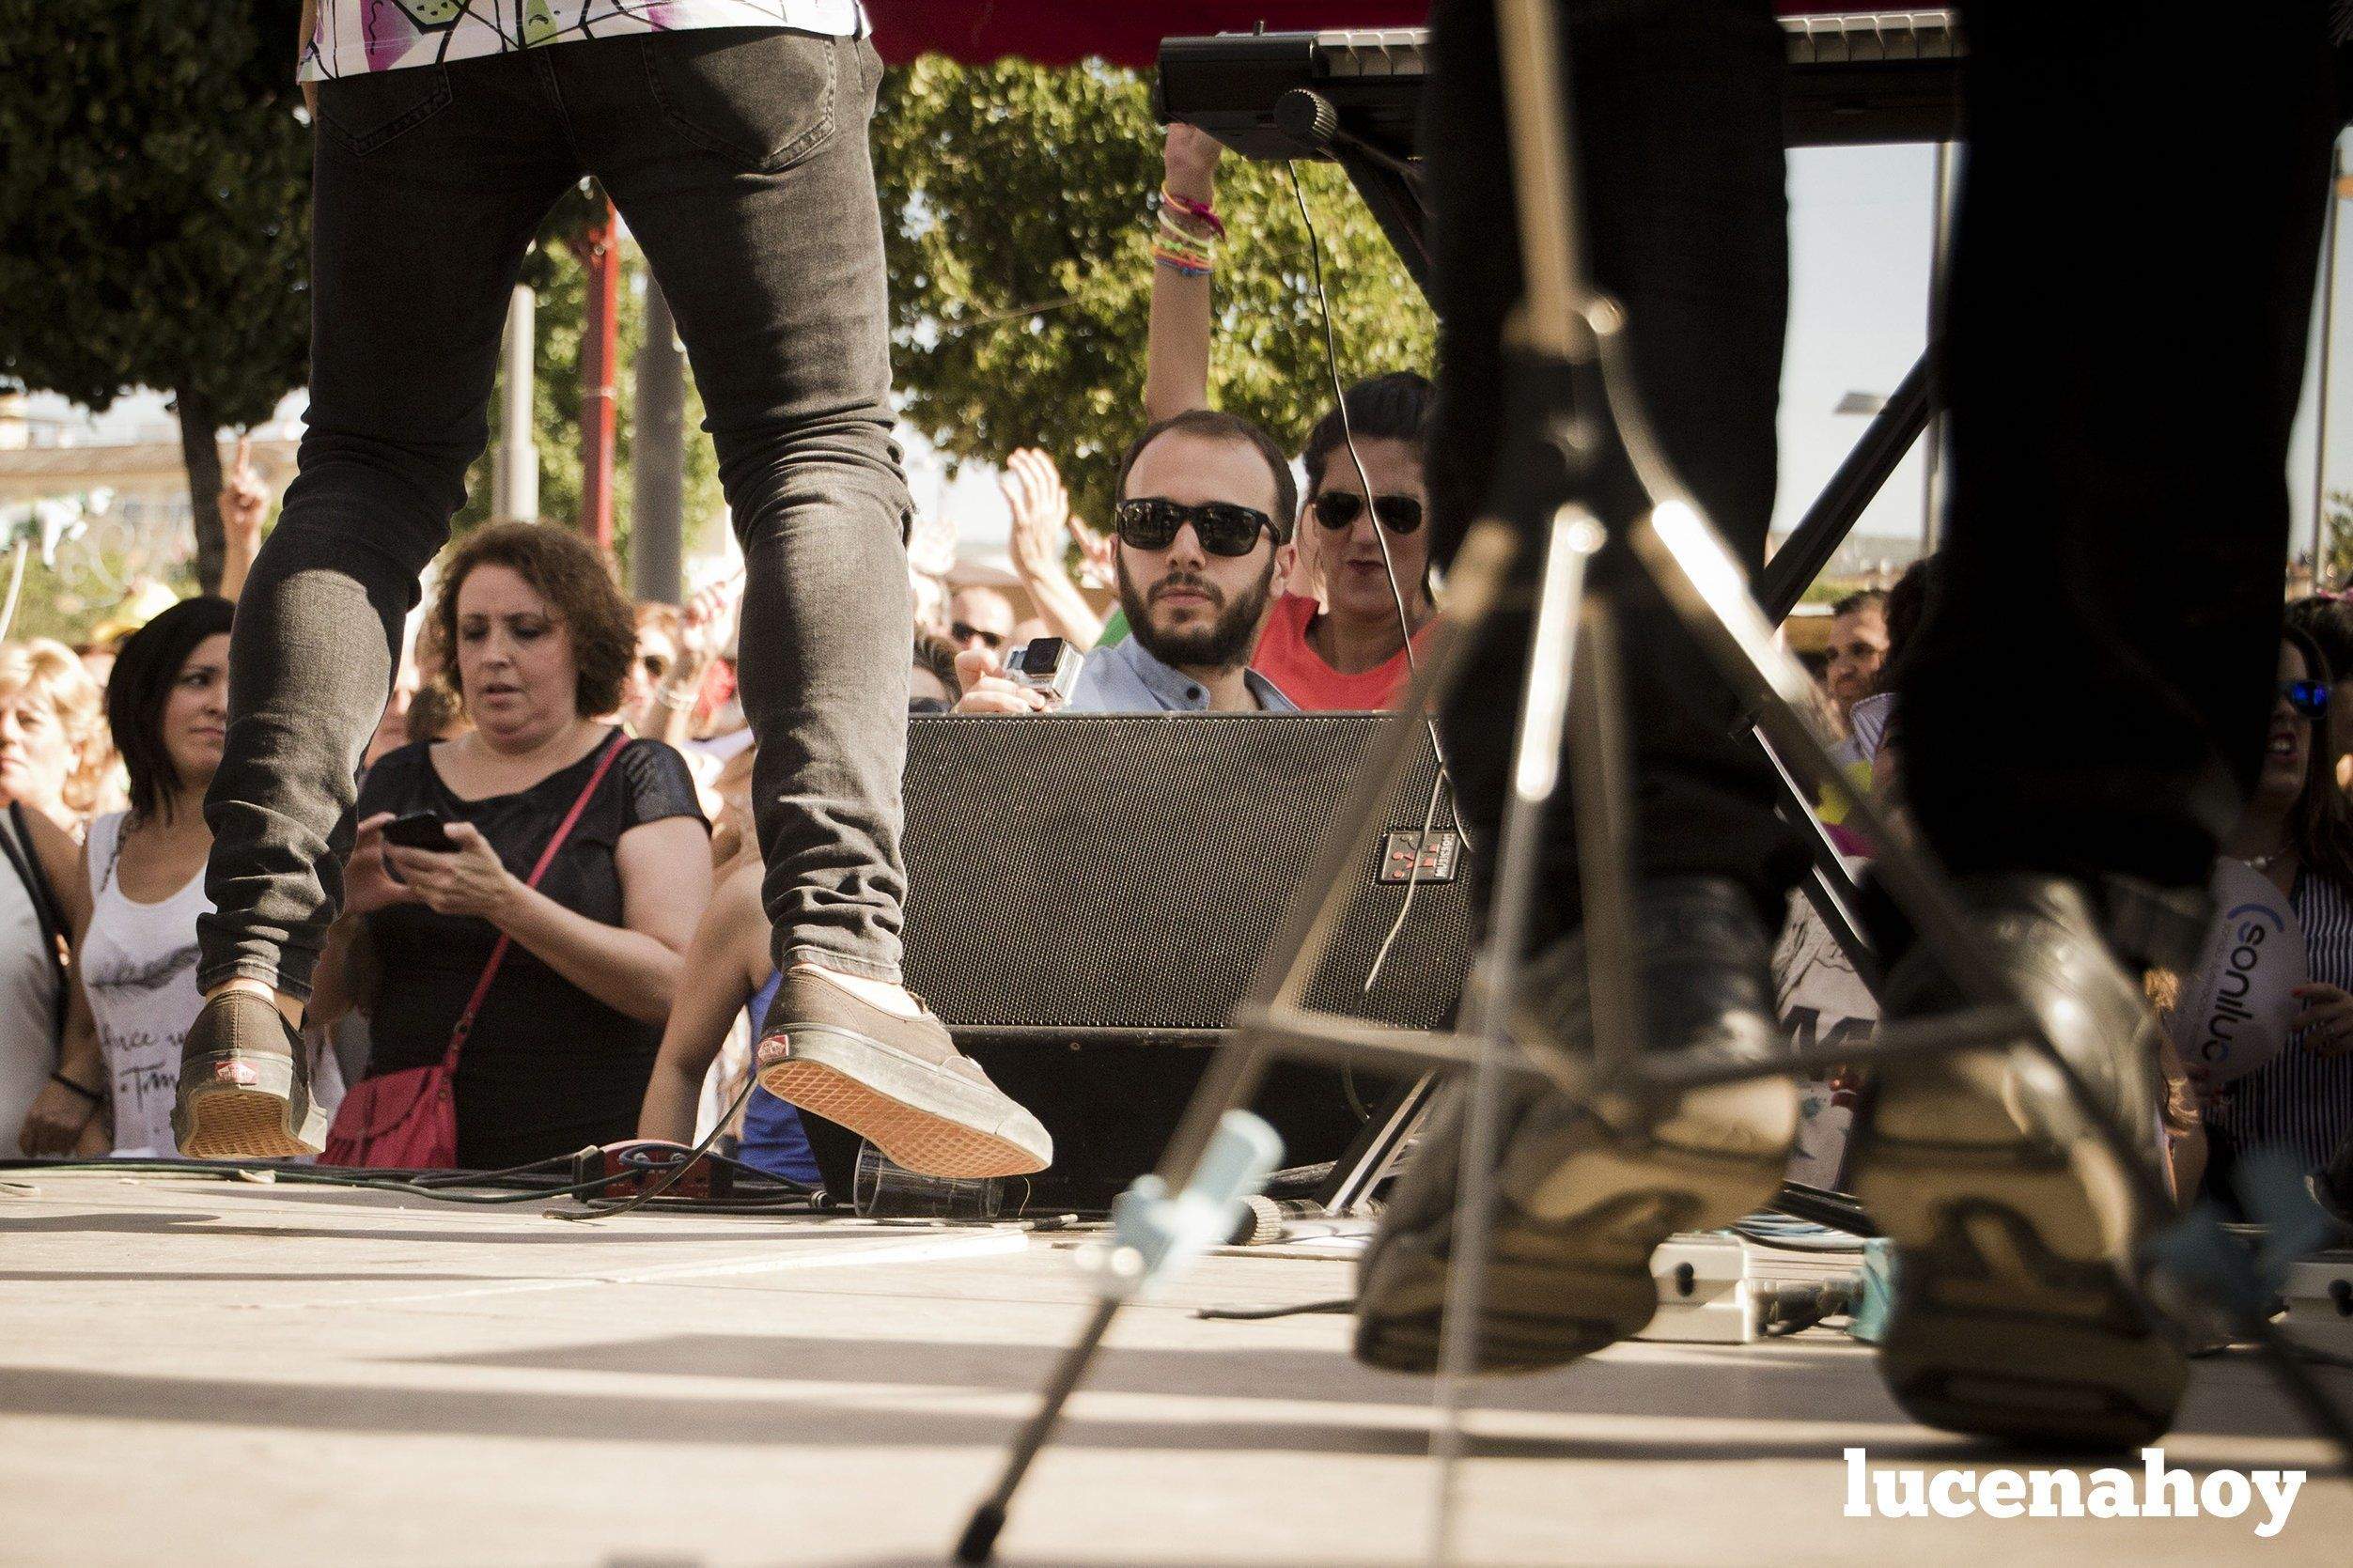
1125, 32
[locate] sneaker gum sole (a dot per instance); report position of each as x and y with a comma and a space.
1578, 1278
231, 1123
945, 1139
2011, 1317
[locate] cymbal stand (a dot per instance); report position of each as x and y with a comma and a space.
1572, 340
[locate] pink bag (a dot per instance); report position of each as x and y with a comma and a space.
408, 1120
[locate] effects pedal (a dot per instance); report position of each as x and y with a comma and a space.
639, 1162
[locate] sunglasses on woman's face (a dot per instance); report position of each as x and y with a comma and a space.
1151, 522
1338, 509
654, 665
2309, 698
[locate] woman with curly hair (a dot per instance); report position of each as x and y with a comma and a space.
53, 756
558, 1054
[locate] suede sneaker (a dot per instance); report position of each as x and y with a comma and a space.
899, 1083
245, 1084
1579, 1205
2015, 1230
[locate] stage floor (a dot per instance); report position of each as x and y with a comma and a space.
204, 1372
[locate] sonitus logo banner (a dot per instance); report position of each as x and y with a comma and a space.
2157, 1491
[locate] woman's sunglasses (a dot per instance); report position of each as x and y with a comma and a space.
1338, 509
1151, 522
2309, 698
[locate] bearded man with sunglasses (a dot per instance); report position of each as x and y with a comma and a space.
1203, 548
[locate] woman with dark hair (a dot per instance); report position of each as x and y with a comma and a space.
2298, 831
168, 704
565, 1032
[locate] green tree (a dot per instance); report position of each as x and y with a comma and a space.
155, 196
1014, 202
2334, 569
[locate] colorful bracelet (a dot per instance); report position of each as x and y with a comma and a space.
1192, 209
1201, 251
1179, 264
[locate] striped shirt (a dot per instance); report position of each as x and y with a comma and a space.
354, 36
2300, 1100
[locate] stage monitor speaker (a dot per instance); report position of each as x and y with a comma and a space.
1089, 895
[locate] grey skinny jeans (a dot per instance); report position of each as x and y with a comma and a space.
738, 158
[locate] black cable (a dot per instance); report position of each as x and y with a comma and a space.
311, 1175
670, 1178
1444, 779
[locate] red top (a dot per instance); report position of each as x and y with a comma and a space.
1287, 657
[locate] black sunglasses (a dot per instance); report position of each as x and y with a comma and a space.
964, 633
1151, 522
655, 665
1338, 509
2309, 698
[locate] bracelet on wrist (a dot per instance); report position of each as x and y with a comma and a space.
1179, 265
1199, 211
93, 1095
675, 697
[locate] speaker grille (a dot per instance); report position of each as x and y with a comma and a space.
1118, 875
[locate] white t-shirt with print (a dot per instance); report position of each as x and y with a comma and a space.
355, 37
139, 970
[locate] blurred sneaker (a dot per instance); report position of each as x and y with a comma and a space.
245, 1084
898, 1082
2014, 1228
1580, 1207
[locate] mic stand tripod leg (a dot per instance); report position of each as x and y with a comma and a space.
1570, 544
979, 1540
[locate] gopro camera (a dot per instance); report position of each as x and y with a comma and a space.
1048, 664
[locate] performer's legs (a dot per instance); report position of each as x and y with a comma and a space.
776, 279
1679, 156
740, 160
2133, 264
429, 184
1677, 120
2132, 277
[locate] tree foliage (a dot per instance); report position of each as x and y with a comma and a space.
1014, 203
155, 200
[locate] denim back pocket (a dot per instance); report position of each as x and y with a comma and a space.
367, 109
761, 98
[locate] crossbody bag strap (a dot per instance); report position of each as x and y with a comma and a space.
48, 915
547, 857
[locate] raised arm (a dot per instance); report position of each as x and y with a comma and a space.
1041, 517
1176, 357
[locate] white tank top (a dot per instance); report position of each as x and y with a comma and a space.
139, 969
29, 1000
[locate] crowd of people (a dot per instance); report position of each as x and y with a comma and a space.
587, 770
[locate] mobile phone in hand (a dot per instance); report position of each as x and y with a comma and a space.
421, 829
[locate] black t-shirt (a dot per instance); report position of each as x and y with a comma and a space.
548, 1067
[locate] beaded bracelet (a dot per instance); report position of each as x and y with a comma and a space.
1200, 210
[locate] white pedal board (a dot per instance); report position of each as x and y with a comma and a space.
1716, 1288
